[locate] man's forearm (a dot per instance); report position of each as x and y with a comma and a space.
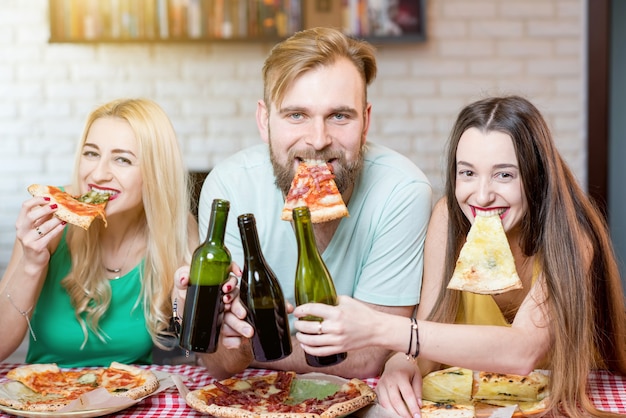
225, 362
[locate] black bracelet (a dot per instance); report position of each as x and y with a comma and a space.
417, 338
408, 351
410, 356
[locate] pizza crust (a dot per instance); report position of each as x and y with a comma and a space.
485, 264
150, 381
66, 214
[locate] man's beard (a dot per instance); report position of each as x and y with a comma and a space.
346, 172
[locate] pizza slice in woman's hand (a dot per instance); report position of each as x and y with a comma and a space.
485, 264
77, 210
314, 186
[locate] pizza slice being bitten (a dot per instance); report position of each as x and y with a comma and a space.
485, 264
80, 210
314, 186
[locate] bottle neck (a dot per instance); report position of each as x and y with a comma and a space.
217, 226
250, 242
305, 237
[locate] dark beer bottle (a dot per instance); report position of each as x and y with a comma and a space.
204, 305
263, 298
313, 281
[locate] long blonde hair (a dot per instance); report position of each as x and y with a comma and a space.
562, 226
165, 195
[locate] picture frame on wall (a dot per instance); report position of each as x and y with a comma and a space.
396, 18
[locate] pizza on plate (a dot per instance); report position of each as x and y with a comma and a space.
449, 391
282, 395
77, 210
46, 387
314, 186
485, 264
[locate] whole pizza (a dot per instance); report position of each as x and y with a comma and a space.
280, 394
47, 388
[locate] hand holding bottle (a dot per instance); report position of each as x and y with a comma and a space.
348, 326
232, 323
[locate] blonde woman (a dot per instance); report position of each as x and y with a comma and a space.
87, 298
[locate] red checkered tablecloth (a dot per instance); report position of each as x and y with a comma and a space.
607, 391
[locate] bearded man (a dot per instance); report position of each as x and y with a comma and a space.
315, 107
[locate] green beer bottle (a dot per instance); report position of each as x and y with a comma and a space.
313, 281
204, 305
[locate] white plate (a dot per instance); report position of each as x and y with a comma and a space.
52, 414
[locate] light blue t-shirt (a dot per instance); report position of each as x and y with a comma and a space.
376, 254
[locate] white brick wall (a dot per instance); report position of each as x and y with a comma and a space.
475, 48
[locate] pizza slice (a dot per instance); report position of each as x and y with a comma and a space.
77, 210
445, 410
485, 264
314, 186
522, 409
451, 385
508, 387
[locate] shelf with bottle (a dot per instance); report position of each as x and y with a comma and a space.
110, 21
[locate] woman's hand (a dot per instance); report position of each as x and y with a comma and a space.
36, 228
234, 326
229, 288
348, 326
400, 387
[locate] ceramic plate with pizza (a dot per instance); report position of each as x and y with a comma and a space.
282, 395
46, 389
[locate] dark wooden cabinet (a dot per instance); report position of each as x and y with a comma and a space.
94, 21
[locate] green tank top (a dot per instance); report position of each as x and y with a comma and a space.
59, 335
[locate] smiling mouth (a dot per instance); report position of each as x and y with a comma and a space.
488, 212
108, 192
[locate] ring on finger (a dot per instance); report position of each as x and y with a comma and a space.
319, 330
38, 231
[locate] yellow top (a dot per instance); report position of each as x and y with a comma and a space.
476, 309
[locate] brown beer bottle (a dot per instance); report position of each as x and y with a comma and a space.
204, 305
263, 298
313, 281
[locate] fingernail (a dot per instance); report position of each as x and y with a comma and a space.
46, 198
63, 222
53, 206
229, 288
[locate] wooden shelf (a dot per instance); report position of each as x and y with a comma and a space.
201, 21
